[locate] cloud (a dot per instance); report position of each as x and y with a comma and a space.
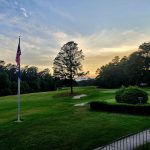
98, 48
61, 13
42, 36
101, 47
16, 3
2, 16
55, 9
112, 40
40, 43
24, 12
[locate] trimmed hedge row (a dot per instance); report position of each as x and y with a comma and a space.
121, 108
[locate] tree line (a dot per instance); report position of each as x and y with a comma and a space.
32, 80
67, 67
131, 70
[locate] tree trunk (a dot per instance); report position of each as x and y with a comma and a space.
71, 86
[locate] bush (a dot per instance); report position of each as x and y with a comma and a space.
5, 84
119, 94
131, 95
121, 108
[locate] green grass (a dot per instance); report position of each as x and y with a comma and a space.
50, 121
144, 147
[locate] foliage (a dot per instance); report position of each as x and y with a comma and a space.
67, 64
87, 82
4, 84
132, 70
31, 79
131, 95
118, 95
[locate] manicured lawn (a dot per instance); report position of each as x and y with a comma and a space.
50, 121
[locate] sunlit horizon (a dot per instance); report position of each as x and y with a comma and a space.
102, 29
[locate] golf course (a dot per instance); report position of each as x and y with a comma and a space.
51, 121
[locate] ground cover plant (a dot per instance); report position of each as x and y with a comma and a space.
50, 121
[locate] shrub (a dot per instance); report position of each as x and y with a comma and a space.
119, 94
131, 95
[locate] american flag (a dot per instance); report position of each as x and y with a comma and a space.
18, 54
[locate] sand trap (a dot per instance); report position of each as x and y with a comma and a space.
81, 104
79, 96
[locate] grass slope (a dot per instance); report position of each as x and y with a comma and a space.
52, 122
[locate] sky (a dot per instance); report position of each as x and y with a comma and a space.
102, 28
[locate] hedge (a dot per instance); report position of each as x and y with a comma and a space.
121, 108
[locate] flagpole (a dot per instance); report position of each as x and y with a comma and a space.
18, 114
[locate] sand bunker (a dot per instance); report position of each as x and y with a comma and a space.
81, 104
79, 96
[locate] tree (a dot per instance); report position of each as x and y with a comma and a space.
111, 75
12, 72
145, 54
136, 63
31, 79
2, 67
46, 80
5, 84
30, 75
67, 64
87, 82
131, 70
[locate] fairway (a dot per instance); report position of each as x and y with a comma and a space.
50, 121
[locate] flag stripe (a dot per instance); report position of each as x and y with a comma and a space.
18, 54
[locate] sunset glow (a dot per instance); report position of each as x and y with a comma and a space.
102, 29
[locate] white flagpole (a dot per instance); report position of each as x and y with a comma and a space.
18, 116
